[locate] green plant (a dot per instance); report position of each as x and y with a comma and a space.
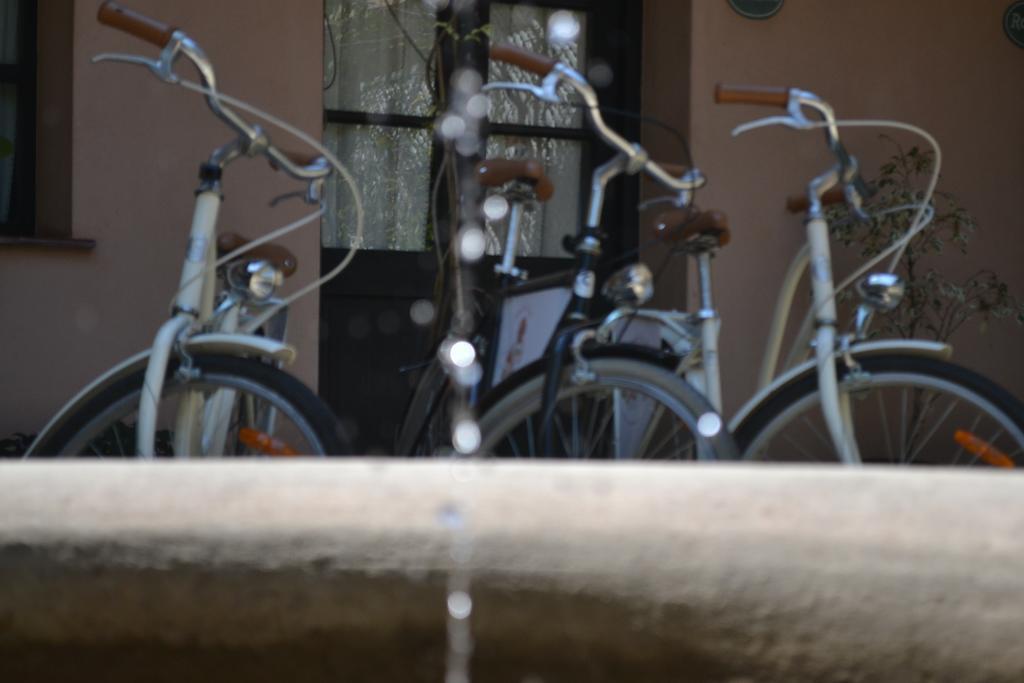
935, 304
6, 148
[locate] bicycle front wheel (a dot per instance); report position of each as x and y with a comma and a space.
239, 407
625, 409
906, 410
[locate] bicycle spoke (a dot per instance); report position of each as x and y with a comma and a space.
903, 425
664, 442
557, 420
512, 443
807, 456
575, 425
117, 437
959, 449
826, 442
595, 439
921, 407
885, 425
938, 423
992, 439
591, 425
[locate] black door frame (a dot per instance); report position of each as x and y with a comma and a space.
394, 280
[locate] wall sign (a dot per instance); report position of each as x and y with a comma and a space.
1013, 23
762, 9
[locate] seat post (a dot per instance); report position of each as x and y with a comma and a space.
709, 325
508, 258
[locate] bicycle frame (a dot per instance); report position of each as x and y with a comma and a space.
200, 425
820, 328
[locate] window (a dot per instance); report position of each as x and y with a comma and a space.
17, 116
378, 111
379, 108
523, 127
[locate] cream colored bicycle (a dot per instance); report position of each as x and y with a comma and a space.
857, 399
211, 384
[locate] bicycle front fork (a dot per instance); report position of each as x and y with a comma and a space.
835, 405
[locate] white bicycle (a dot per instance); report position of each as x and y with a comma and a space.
857, 400
211, 384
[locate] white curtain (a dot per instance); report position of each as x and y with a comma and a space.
373, 69
392, 167
541, 230
526, 27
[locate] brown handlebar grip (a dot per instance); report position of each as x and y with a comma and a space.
799, 203
531, 61
751, 94
150, 30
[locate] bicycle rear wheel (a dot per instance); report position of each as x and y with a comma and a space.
906, 410
628, 409
246, 407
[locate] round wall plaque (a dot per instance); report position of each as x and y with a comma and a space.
1013, 23
759, 9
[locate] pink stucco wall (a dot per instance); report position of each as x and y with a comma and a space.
136, 143
942, 64
136, 147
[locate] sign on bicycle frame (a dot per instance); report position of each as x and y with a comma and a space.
756, 9
1013, 23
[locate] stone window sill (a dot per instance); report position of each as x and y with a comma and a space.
47, 243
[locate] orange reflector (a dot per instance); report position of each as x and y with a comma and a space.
982, 449
264, 443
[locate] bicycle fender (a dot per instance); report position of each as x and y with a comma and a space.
218, 343
241, 345
125, 367
906, 347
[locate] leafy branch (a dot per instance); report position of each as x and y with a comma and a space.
934, 304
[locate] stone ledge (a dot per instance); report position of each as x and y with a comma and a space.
603, 572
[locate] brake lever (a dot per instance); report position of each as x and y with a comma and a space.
159, 67
678, 200
545, 92
788, 121
297, 194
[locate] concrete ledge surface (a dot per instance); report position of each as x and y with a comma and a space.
579, 572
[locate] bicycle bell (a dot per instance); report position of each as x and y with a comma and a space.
260, 278
881, 291
632, 286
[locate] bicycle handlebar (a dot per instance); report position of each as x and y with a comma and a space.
174, 43
799, 203
553, 71
523, 58
145, 28
794, 100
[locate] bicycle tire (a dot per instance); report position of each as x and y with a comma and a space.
933, 400
652, 414
102, 426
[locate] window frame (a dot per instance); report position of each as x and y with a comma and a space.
621, 201
623, 93
22, 75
